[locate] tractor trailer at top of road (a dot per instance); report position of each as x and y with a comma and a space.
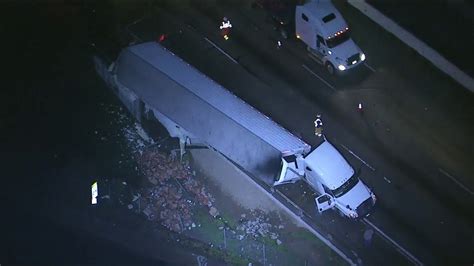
320, 26
151, 81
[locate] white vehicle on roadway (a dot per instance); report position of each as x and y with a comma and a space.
320, 26
329, 174
327, 36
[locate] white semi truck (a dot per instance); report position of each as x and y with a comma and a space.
321, 27
329, 174
153, 82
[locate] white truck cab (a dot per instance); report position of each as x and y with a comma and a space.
329, 174
327, 36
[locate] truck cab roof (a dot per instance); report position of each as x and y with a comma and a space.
325, 14
329, 164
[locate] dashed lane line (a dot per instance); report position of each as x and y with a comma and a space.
358, 158
456, 181
220, 50
320, 78
369, 67
127, 29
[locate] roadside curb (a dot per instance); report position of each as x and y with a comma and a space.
412, 41
297, 218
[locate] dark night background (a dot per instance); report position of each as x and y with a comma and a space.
49, 154
48, 151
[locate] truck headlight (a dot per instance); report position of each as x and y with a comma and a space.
362, 57
341, 67
353, 214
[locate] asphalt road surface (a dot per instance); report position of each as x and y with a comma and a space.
421, 175
439, 17
420, 168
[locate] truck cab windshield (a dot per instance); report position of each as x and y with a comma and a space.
348, 185
335, 41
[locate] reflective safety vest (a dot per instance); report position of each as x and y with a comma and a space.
318, 122
225, 25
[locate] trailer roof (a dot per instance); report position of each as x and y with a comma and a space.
319, 10
218, 97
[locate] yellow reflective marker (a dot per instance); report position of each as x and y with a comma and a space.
95, 193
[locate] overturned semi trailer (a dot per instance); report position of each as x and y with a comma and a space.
148, 77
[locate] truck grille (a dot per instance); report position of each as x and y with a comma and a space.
353, 59
365, 207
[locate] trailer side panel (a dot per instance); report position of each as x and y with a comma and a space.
195, 114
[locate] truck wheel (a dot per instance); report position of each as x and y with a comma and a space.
330, 68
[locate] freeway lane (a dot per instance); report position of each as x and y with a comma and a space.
435, 227
424, 174
211, 60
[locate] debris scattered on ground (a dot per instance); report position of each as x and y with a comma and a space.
258, 226
213, 212
137, 138
175, 190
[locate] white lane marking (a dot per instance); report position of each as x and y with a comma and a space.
388, 180
288, 200
403, 251
222, 51
127, 29
316, 59
136, 21
134, 35
369, 67
456, 181
325, 82
411, 40
360, 159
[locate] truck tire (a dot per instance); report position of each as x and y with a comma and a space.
330, 68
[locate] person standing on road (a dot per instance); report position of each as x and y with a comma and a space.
225, 28
360, 109
318, 126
